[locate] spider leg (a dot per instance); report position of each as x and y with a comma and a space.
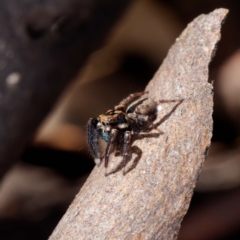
111, 143
125, 102
93, 140
126, 146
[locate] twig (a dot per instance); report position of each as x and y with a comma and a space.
149, 202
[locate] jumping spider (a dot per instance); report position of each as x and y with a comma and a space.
118, 126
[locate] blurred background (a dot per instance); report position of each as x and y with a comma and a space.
36, 191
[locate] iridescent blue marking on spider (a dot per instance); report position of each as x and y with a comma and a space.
106, 137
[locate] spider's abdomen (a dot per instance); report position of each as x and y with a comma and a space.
148, 107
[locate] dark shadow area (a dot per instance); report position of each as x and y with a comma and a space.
29, 230
70, 165
133, 149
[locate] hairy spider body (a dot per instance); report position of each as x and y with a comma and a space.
118, 126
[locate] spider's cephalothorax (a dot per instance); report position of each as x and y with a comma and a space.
118, 126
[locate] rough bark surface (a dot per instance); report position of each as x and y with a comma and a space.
149, 202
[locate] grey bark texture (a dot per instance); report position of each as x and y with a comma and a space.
43, 44
150, 201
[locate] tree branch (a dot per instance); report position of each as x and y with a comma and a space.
150, 201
